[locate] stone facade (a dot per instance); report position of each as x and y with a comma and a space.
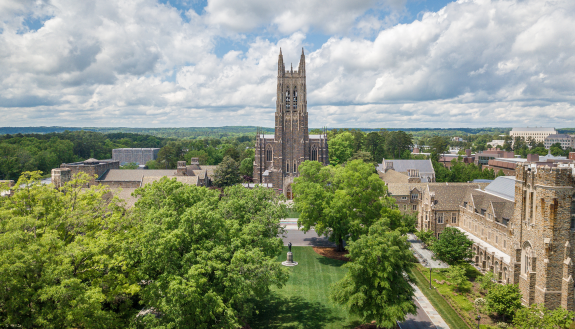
94, 168
278, 156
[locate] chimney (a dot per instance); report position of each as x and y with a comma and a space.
468, 152
532, 157
182, 170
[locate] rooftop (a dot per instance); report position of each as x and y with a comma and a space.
503, 187
534, 129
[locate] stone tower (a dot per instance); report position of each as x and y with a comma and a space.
278, 156
542, 235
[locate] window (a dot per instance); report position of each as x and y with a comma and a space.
287, 166
482, 212
465, 204
314, 154
414, 207
504, 243
440, 218
454, 218
414, 196
497, 239
269, 154
294, 167
404, 207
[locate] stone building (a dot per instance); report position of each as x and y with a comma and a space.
407, 195
522, 228
565, 140
92, 167
136, 155
278, 156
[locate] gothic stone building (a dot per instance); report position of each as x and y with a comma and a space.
278, 156
523, 229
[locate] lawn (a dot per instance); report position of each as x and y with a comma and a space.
292, 213
304, 301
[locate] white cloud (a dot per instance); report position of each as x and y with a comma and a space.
138, 63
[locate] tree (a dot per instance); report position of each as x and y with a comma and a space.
375, 145
504, 300
427, 237
453, 247
61, 257
227, 173
438, 145
377, 284
486, 281
362, 155
340, 202
397, 142
204, 260
537, 316
340, 148
457, 276
247, 166
131, 165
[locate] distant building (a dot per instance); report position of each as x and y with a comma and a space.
137, 155
537, 133
497, 142
91, 166
566, 141
414, 171
457, 139
482, 158
446, 159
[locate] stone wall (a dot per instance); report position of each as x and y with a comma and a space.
137, 155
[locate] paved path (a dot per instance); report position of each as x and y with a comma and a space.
300, 239
417, 321
429, 310
425, 256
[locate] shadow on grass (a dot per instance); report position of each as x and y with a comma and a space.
330, 262
276, 311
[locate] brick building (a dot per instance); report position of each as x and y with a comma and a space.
278, 156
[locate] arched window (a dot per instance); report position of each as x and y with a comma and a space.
287, 166
294, 97
294, 167
314, 153
269, 153
526, 258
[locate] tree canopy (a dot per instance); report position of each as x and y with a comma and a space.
377, 285
453, 247
227, 173
340, 202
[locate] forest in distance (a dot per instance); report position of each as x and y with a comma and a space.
44, 151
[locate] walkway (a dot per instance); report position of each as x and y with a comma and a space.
418, 322
425, 256
299, 238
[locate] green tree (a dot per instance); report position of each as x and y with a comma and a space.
504, 300
427, 237
247, 167
375, 144
227, 173
377, 284
453, 247
362, 155
438, 145
62, 263
397, 142
486, 281
340, 202
537, 316
205, 260
340, 148
457, 276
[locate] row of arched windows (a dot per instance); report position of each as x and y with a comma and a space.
270, 155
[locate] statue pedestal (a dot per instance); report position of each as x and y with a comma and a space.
289, 261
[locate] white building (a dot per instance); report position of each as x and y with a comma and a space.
537, 133
497, 142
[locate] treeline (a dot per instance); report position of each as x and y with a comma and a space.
183, 257
346, 144
462, 172
31, 152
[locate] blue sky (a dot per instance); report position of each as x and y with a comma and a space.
370, 63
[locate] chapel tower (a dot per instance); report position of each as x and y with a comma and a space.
278, 156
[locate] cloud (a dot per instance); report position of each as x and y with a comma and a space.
138, 63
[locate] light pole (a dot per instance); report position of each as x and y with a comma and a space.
478, 319
429, 275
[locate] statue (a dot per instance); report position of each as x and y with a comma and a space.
289, 261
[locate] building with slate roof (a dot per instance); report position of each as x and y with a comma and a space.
416, 171
522, 228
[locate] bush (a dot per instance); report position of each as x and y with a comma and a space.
504, 300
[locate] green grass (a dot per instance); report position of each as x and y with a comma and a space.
292, 213
304, 301
447, 313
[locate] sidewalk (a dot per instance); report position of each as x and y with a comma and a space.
430, 310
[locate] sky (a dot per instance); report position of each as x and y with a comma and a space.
369, 64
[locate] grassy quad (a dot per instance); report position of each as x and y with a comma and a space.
304, 301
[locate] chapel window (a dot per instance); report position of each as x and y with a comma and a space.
269, 154
294, 167
287, 166
314, 154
